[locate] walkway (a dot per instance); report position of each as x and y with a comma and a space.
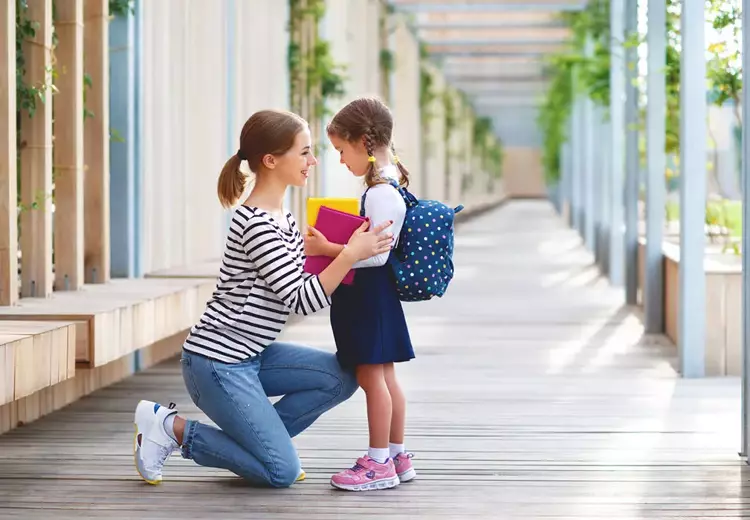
534, 395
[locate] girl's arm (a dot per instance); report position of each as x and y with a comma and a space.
383, 203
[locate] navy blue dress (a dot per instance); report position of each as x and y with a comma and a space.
368, 320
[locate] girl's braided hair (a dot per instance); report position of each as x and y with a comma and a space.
368, 119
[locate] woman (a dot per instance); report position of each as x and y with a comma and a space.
231, 361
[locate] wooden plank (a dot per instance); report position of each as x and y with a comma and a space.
96, 136
8, 182
33, 355
69, 147
36, 158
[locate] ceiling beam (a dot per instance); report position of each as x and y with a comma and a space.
491, 63
458, 53
494, 7
502, 89
490, 24
513, 102
496, 78
556, 42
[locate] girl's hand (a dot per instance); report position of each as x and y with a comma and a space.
364, 244
316, 244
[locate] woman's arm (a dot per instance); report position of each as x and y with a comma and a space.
383, 206
269, 253
301, 294
362, 244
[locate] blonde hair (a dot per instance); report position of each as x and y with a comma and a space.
370, 120
266, 132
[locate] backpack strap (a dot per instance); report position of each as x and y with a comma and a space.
362, 203
409, 199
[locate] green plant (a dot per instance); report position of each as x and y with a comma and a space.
724, 68
313, 71
427, 93
387, 61
324, 72
487, 145
555, 111
450, 115
121, 7
27, 95
589, 29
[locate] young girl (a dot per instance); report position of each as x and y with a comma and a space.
367, 318
231, 360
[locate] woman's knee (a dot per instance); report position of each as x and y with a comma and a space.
284, 471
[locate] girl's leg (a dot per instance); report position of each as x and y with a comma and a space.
401, 459
372, 380
252, 442
398, 415
376, 471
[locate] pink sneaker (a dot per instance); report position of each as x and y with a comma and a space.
404, 468
366, 475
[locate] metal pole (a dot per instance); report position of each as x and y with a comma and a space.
656, 158
745, 237
691, 320
616, 256
632, 158
576, 149
563, 185
588, 166
598, 179
604, 195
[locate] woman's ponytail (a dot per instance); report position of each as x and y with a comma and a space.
232, 182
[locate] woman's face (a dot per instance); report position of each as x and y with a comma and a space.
293, 167
353, 155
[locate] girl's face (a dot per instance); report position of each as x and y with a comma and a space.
353, 155
293, 167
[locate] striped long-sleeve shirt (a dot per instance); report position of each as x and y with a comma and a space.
261, 282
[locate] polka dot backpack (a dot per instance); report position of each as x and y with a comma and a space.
423, 259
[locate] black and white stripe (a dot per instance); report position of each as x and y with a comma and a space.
261, 282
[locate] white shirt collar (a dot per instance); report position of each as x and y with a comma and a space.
390, 172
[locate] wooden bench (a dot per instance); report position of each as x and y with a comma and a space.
119, 317
34, 355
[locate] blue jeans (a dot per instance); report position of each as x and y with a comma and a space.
255, 439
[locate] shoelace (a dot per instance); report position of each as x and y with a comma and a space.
163, 453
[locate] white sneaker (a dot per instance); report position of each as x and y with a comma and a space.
152, 445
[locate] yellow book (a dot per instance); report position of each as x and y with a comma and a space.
347, 205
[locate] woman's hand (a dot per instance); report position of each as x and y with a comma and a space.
316, 244
363, 244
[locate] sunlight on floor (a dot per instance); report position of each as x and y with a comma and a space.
623, 338
571, 278
558, 246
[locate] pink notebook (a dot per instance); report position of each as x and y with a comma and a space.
338, 228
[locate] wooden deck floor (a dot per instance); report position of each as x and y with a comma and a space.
534, 395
